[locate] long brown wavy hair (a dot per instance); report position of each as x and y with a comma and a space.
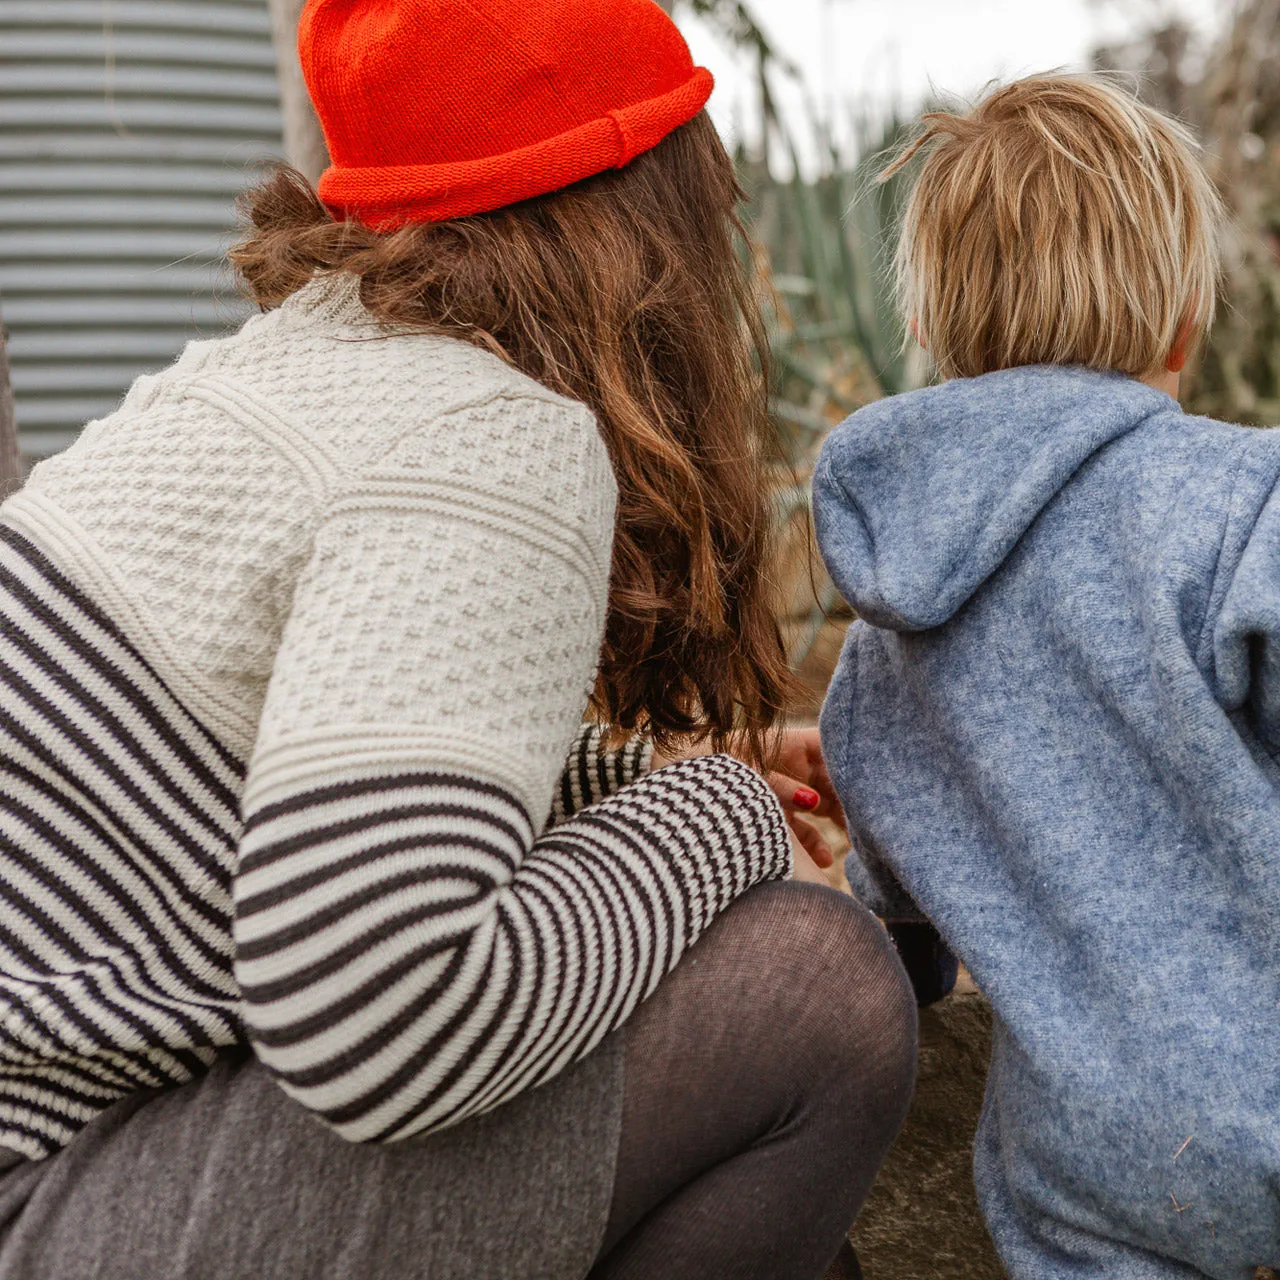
624, 292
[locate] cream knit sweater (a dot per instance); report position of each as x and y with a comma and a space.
297, 644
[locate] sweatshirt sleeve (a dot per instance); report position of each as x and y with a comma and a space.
1246, 631
411, 949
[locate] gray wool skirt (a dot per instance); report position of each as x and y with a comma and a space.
227, 1178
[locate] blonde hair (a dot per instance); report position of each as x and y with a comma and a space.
1060, 221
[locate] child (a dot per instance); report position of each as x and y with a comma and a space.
1056, 728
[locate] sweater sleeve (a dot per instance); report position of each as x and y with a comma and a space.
594, 771
411, 950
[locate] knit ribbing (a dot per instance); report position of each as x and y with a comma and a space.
593, 771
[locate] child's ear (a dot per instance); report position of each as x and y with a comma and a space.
914, 326
1182, 345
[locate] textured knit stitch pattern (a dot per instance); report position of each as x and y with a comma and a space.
593, 771
453, 606
350, 585
233, 457
204, 546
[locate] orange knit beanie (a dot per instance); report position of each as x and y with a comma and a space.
437, 109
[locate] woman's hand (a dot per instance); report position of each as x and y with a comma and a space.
806, 867
802, 784
801, 779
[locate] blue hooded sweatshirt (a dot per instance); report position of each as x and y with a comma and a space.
1056, 731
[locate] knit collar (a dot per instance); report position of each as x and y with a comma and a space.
330, 300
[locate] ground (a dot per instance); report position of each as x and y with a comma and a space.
922, 1217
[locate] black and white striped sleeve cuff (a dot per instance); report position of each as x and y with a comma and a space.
410, 956
594, 771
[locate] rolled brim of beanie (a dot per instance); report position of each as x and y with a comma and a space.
385, 199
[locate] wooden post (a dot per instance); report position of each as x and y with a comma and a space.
304, 146
10, 459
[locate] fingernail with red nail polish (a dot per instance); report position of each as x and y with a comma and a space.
806, 799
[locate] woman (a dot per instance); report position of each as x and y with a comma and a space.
296, 644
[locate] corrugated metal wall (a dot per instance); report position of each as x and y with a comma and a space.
125, 130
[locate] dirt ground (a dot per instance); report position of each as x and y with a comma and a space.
922, 1217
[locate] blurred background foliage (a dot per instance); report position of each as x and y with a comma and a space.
825, 233
1229, 93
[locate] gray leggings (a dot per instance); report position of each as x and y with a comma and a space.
744, 1112
227, 1178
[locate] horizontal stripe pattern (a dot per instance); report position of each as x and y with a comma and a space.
403, 949
119, 828
410, 955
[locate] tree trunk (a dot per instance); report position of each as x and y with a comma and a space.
303, 140
10, 459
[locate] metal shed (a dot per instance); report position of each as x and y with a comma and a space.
127, 128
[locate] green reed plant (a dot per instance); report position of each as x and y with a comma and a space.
825, 231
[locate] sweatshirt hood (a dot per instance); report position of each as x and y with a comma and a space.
920, 498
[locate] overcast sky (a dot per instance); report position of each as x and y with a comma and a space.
870, 53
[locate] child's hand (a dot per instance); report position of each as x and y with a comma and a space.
810, 839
